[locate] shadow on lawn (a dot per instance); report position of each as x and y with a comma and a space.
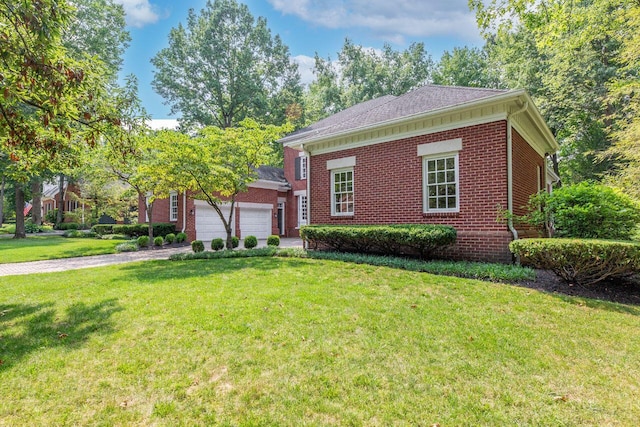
27, 328
163, 270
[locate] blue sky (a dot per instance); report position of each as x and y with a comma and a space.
307, 27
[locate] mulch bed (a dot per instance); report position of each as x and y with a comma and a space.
619, 291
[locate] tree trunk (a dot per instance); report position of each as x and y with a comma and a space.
150, 215
36, 209
2, 200
20, 231
556, 169
60, 215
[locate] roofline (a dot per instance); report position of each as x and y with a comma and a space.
500, 97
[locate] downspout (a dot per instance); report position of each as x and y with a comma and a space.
184, 211
510, 169
308, 155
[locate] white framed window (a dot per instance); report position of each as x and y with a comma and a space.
302, 211
440, 183
342, 194
173, 206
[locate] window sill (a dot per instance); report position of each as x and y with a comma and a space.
441, 214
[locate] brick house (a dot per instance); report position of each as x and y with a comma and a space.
51, 199
436, 155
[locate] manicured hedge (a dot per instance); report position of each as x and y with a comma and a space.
137, 230
409, 239
102, 229
582, 261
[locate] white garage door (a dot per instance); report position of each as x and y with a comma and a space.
208, 223
255, 222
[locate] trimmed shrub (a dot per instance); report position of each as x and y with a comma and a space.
158, 241
582, 261
586, 211
197, 246
137, 230
30, 227
102, 229
79, 234
250, 242
115, 237
181, 237
273, 240
162, 229
127, 247
235, 242
143, 241
217, 244
170, 238
68, 226
409, 239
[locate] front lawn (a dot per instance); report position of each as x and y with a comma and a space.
288, 341
36, 248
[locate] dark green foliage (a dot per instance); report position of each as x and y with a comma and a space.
158, 241
115, 237
79, 234
217, 244
273, 240
250, 242
409, 239
235, 242
51, 216
170, 238
127, 247
136, 230
583, 261
197, 246
256, 252
103, 229
68, 226
143, 241
30, 227
181, 237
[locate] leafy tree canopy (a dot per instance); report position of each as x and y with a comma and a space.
225, 66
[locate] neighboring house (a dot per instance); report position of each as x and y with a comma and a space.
51, 199
436, 155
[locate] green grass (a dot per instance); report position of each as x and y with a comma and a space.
36, 248
290, 341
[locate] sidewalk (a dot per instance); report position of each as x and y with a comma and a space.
65, 264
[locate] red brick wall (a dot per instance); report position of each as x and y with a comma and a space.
291, 221
388, 188
526, 162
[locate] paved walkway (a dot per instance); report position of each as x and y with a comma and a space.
65, 264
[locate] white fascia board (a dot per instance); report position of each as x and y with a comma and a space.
265, 184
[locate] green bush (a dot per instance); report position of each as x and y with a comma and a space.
51, 216
587, 211
259, 252
136, 230
250, 242
68, 226
143, 241
197, 246
79, 234
103, 229
114, 237
181, 237
217, 244
170, 238
235, 242
127, 247
273, 240
582, 261
30, 227
158, 241
409, 239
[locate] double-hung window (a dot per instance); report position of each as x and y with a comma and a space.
302, 210
440, 176
173, 206
342, 192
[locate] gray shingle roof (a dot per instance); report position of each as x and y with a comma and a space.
270, 173
422, 100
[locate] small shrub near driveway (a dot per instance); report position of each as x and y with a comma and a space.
143, 241
250, 242
127, 247
158, 241
217, 244
273, 240
583, 261
170, 238
181, 237
197, 246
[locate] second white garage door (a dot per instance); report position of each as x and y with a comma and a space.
255, 222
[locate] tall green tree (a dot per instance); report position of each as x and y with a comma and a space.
467, 67
225, 66
566, 54
361, 74
218, 164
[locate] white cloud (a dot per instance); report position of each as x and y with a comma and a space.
305, 68
391, 20
139, 12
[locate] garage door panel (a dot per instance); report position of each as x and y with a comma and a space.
255, 222
208, 223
